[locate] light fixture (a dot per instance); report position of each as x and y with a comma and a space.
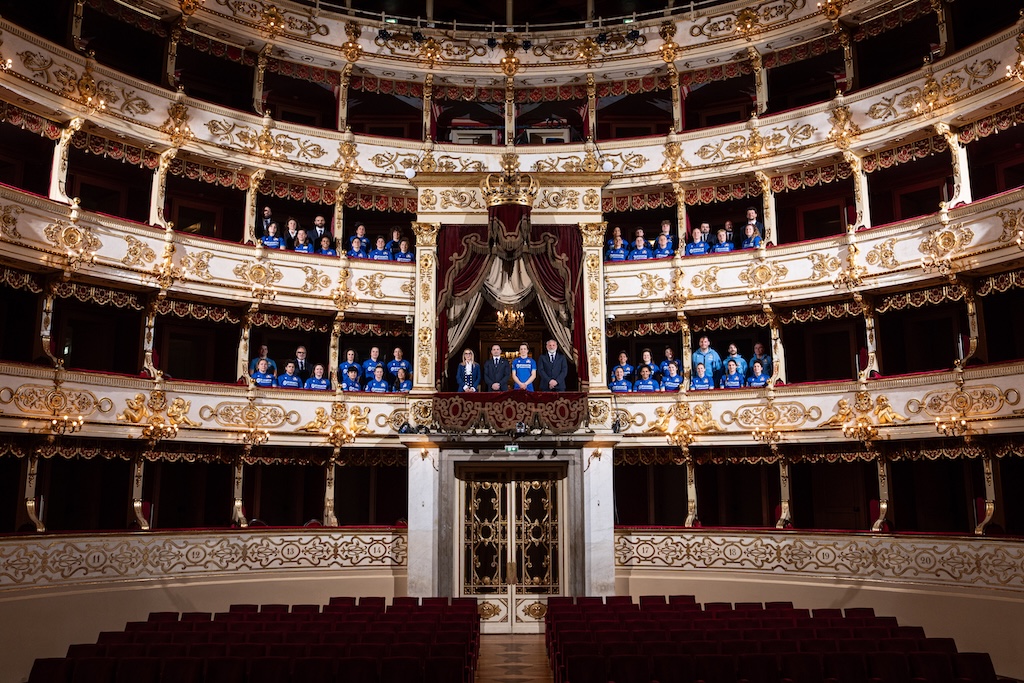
953, 426
340, 435
831, 9
410, 173
681, 437
607, 165
510, 323
272, 21
1015, 70
770, 436
255, 437
158, 431
62, 425
862, 430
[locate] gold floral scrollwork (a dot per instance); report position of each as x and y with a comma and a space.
599, 411
258, 274
740, 147
979, 400
427, 276
422, 412
1013, 225
46, 400
627, 419
593, 234
707, 280
428, 200
650, 285
785, 414
844, 130
610, 287
351, 48
595, 341
394, 421
942, 245
425, 336
536, 610
370, 284
9, 221
264, 142
248, 415
883, 254
197, 264
822, 265
674, 163
342, 296
408, 288
559, 199
488, 610
426, 233
460, 199
138, 252
594, 277
347, 162
761, 276
78, 243
591, 200
678, 294
315, 279
176, 125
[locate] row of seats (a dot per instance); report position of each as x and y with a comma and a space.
879, 667
610, 643
326, 649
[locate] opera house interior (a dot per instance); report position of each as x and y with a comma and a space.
670, 310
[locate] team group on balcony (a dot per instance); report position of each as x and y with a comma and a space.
320, 240
710, 370
702, 242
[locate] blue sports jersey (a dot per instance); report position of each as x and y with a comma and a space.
344, 366
700, 383
627, 370
664, 253
670, 383
380, 255
741, 363
321, 384
733, 381
617, 254
394, 365
351, 253
273, 242
641, 254
648, 384
404, 386
620, 385
369, 365
262, 379
378, 386
287, 381
752, 242
522, 368
304, 248
405, 256
350, 385
328, 252
698, 248
722, 247
758, 380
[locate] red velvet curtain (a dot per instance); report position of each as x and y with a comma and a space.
462, 257
555, 262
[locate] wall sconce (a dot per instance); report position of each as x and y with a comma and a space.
65, 424
770, 436
862, 431
953, 426
255, 437
158, 431
1015, 70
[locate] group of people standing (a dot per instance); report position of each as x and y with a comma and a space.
320, 240
649, 375
374, 375
524, 373
710, 370
640, 248
703, 240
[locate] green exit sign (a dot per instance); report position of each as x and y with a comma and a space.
512, 448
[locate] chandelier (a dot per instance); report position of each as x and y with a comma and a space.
770, 436
65, 424
862, 430
510, 323
255, 437
158, 431
952, 426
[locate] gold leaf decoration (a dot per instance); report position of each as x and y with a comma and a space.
315, 279
138, 252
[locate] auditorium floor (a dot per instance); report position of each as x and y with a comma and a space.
512, 659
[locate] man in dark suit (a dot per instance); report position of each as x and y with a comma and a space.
320, 229
552, 369
303, 367
496, 371
266, 219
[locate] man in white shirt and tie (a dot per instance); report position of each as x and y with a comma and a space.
319, 230
552, 368
303, 368
496, 370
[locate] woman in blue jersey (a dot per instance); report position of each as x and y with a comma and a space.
646, 383
325, 248
317, 380
619, 383
627, 369
356, 248
263, 377
351, 380
351, 360
699, 246
723, 245
272, 240
378, 385
381, 253
700, 381
302, 243
671, 380
758, 378
404, 254
751, 240
524, 369
288, 379
402, 382
732, 379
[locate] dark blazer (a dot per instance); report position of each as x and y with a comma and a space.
306, 372
496, 374
460, 377
551, 370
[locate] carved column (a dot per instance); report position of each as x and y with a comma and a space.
785, 495
334, 353
760, 80
593, 303
975, 326
257, 83
330, 470
138, 468
242, 361
860, 190
939, 7
428, 116
686, 352
691, 489
76, 24
884, 495
870, 336
993, 492
510, 110
252, 199
148, 338
31, 479
238, 506
59, 167
778, 348
346, 80
768, 206
598, 519
677, 99
425, 504
961, 169
158, 194
846, 40
426, 307
591, 132
46, 324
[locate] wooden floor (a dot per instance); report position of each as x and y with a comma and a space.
512, 659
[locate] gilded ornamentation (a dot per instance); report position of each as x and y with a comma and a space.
650, 285
427, 199
408, 288
844, 130
689, 421
177, 413
626, 419
941, 246
746, 20
264, 142
394, 421
257, 274
885, 413
670, 47
197, 265
559, 199
488, 610
190, 7
678, 294
78, 243
593, 234
351, 48
787, 414
342, 296
760, 276
370, 284
422, 412
920, 98
610, 287
135, 411
138, 252
460, 199
589, 49
883, 255
620, 162
983, 399
741, 147
511, 186
599, 411
9, 221
271, 20
591, 200
1013, 225
139, 410
843, 414
347, 162
425, 345
47, 400
594, 277
707, 280
428, 48
315, 279
248, 415
674, 163
595, 341
822, 265
427, 275
536, 610
426, 234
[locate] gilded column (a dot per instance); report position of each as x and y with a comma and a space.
884, 521
768, 205
148, 337
158, 194
352, 51
346, 79
939, 7
76, 25
428, 97
138, 469
591, 107
778, 348
334, 353
692, 518
257, 84
593, 303
252, 199
860, 190
848, 58
59, 167
993, 492
242, 361
870, 335
237, 505
760, 80
31, 478
961, 169
785, 495
330, 470
426, 307
510, 111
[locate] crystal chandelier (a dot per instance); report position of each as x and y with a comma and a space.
510, 323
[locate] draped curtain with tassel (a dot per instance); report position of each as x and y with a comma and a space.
508, 263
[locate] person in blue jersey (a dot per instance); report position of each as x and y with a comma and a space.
639, 234
371, 363
617, 251
378, 385
666, 230
708, 356
398, 363
262, 377
467, 376
402, 382
671, 380
616, 232
640, 250
303, 245
619, 383
325, 248
734, 355
766, 360
732, 379
380, 253
722, 245
753, 220
627, 369
264, 355
751, 240
351, 360
404, 254
646, 383
356, 249
647, 359
272, 240
670, 357
288, 379
699, 246
662, 249
700, 381
757, 377
364, 241
317, 380
524, 369
394, 242
351, 381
